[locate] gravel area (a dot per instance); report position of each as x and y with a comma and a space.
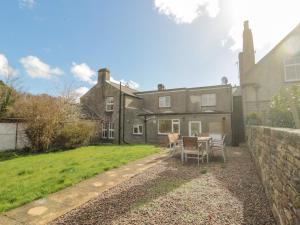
170, 193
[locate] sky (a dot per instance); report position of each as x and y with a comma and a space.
47, 45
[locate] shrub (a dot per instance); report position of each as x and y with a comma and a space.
75, 134
44, 116
253, 119
285, 108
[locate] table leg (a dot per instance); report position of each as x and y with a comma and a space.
207, 151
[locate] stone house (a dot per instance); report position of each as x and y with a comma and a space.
278, 69
130, 116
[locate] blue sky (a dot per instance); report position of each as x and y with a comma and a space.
181, 43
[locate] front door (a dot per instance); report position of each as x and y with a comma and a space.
194, 128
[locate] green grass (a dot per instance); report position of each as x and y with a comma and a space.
25, 178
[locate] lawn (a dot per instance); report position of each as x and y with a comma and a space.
26, 178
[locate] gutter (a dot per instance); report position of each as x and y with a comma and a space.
193, 113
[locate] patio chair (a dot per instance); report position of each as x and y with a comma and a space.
191, 148
173, 142
219, 145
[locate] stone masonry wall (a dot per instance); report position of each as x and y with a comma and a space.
276, 152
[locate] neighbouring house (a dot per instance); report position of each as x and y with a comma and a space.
131, 116
278, 69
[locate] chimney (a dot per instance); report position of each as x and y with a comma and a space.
247, 56
103, 75
161, 87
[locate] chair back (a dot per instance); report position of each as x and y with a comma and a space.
173, 137
216, 136
190, 142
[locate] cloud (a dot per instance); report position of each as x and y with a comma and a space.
29, 4
38, 69
80, 92
132, 84
5, 69
83, 72
269, 20
186, 11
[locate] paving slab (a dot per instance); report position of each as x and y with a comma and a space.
44, 210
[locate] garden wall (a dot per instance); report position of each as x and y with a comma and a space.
276, 152
12, 136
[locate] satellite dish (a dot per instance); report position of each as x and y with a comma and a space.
224, 80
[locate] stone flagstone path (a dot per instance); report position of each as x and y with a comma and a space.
47, 209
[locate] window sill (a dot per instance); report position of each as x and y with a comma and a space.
137, 134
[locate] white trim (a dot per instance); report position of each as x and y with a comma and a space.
108, 130
109, 104
206, 102
137, 126
167, 103
173, 121
111, 130
103, 131
190, 126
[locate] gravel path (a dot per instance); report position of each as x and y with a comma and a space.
170, 193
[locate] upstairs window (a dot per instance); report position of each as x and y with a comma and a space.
138, 129
109, 104
208, 100
292, 69
164, 101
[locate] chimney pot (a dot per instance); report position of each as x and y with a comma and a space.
161, 87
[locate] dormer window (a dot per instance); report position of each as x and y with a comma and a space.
292, 69
109, 104
208, 100
164, 101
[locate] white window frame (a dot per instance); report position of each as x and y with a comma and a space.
108, 130
190, 126
111, 130
109, 104
137, 126
206, 99
104, 131
293, 65
166, 103
174, 121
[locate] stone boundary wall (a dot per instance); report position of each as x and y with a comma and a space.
276, 152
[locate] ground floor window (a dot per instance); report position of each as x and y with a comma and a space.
166, 126
195, 128
138, 129
108, 130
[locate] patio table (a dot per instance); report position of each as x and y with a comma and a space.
206, 141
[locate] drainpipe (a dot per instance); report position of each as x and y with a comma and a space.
120, 113
145, 121
124, 113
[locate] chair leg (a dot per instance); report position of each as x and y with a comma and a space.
207, 157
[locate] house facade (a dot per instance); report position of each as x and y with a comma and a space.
278, 69
130, 116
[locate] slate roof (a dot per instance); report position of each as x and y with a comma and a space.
125, 89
